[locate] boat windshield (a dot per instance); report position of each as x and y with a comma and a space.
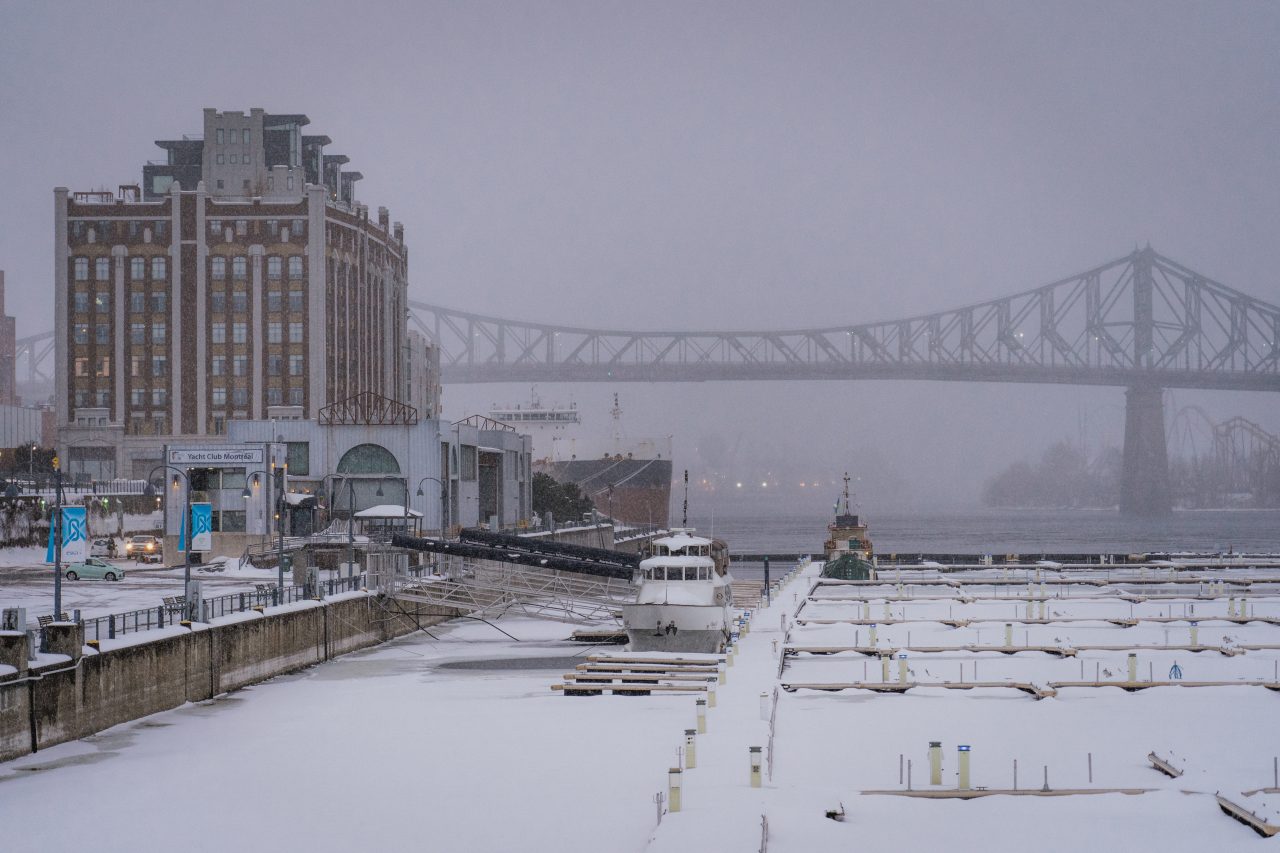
678, 573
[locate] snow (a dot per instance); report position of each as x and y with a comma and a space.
396, 748
387, 511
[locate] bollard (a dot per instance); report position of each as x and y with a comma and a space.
700, 706
690, 749
1044, 611
962, 756
887, 614
866, 610
902, 669
754, 753
722, 674
1195, 633
728, 656
711, 695
1231, 606
935, 762
871, 635
673, 789
1133, 667
884, 668
1030, 606
764, 705
1008, 634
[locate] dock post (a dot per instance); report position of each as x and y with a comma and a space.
690, 749
764, 706
700, 706
1195, 633
1008, 634
754, 753
962, 756
711, 695
871, 635
902, 669
673, 789
884, 668
935, 762
1133, 667
1231, 606
866, 610
721, 675
728, 656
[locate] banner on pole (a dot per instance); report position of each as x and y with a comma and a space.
75, 536
201, 527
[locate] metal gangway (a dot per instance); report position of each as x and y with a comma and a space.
528, 578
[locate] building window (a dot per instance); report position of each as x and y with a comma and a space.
134, 225
239, 365
157, 333
219, 396
102, 269
274, 364
273, 264
158, 268
82, 269
295, 266
239, 265
220, 140
159, 301
137, 301
137, 268
137, 333
290, 182
161, 421
274, 298
245, 136
220, 424
219, 333
239, 333
215, 227
138, 396
82, 366
295, 399
102, 398
235, 159
218, 365
218, 301
275, 333
295, 300
221, 159
218, 267
240, 396
102, 303
81, 301
162, 229
295, 333
159, 365
295, 365
159, 396
103, 367
298, 226
273, 228
135, 365
239, 301
82, 333
274, 396
231, 521
102, 333
219, 183
242, 227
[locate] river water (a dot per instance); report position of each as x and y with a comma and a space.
1010, 532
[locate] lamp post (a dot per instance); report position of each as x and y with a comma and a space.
57, 541
185, 528
444, 506
247, 494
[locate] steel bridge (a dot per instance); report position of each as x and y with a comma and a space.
1142, 322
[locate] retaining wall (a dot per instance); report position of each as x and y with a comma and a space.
76, 690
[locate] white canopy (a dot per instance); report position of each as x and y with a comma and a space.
387, 511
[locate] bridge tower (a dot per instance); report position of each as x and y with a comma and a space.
1144, 478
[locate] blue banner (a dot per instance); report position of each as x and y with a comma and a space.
201, 527
75, 536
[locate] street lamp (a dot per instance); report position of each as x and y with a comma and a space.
247, 494
57, 541
185, 528
444, 504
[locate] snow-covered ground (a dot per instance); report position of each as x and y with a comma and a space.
395, 748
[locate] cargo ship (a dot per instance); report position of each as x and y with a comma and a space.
627, 479
848, 547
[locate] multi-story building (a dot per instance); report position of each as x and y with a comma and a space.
241, 281
8, 354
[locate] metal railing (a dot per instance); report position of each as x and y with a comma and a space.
113, 625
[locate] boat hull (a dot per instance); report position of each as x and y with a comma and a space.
698, 628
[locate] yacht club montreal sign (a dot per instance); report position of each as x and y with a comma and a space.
216, 457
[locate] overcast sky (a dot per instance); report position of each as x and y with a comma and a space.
681, 165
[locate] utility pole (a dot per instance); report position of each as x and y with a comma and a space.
57, 541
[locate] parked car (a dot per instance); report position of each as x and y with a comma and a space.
94, 569
148, 549
105, 547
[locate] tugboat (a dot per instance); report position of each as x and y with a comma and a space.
685, 599
848, 547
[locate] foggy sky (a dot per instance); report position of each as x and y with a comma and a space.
715, 165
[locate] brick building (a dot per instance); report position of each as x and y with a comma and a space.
241, 281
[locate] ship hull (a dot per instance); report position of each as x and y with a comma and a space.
698, 628
635, 491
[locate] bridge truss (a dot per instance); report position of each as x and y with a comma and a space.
1140, 320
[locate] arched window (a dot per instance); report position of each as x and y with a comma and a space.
368, 459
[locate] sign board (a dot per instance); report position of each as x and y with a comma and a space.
215, 457
75, 536
201, 527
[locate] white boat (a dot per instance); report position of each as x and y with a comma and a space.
685, 599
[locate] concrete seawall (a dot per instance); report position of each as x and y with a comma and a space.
76, 690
